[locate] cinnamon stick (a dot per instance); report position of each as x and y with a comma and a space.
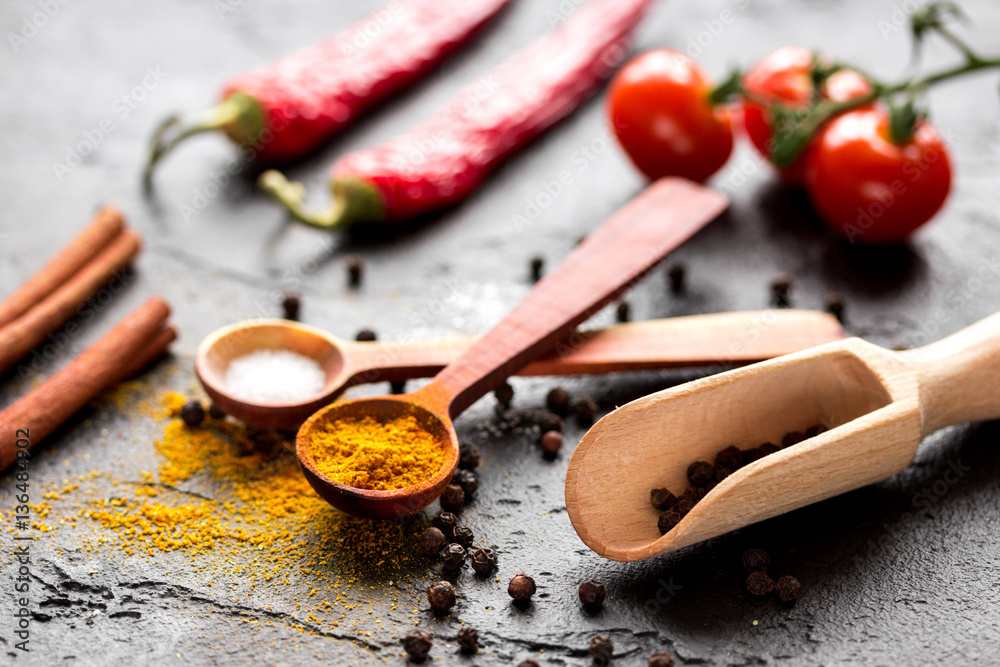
24, 333
45, 408
105, 226
153, 350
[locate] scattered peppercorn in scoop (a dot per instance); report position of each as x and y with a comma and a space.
703, 476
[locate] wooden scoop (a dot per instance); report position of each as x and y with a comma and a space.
700, 340
877, 404
623, 249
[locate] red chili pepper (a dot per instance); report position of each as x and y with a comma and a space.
289, 107
442, 160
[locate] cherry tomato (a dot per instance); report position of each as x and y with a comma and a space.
869, 189
785, 76
659, 109
844, 85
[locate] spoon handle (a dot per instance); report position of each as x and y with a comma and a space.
960, 376
617, 254
676, 342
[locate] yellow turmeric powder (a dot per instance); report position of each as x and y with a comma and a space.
369, 454
234, 501
259, 500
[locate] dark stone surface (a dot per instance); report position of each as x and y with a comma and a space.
902, 572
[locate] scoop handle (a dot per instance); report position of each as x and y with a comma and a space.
960, 376
613, 257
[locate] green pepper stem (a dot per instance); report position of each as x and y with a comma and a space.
354, 200
238, 114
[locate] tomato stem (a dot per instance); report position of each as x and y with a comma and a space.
954, 40
973, 65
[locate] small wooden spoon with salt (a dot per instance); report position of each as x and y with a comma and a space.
877, 404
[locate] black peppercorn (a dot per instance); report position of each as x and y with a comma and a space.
667, 521
592, 593
452, 498
676, 274
521, 587
441, 595
417, 644
453, 556
445, 522
835, 305
468, 456
788, 588
366, 336
290, 304
397, 387
730, 457
586, 411
601, 649
484, 561
722, 472
683, 506
660, 659
528, 662
432, 541
504, 394
768, 448
751, 455
466, 479
815, 430
463, 535
700, 472
662, 499
623, 311
468, 639
193, 414
793, 438
557, 400
693, 493
548, 421
781, 287
756, 559
215, 412
758, 583
355, 270
551, 442
537, 264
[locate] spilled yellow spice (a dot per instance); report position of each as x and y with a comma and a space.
229, 505
377, 455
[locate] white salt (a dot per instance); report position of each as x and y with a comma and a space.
274, 376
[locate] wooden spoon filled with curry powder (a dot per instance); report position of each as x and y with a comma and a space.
365, 453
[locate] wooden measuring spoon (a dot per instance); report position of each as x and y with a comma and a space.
623, 249
877, 404
700, 340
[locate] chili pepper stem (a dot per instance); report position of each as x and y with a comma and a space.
239, 115
354, 200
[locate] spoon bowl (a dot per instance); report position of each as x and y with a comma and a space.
376, 504
877, 405
221, 347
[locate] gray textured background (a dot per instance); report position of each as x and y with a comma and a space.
883, 583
